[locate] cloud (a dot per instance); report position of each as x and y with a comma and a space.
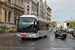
62, 8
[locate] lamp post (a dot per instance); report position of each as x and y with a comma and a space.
72, 22
52, 22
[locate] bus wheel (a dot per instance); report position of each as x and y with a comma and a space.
45, 36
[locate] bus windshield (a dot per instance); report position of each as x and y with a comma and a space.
26, 24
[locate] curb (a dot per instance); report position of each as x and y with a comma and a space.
71, 37
7, 35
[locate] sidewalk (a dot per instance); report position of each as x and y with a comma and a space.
7, 35
70, 36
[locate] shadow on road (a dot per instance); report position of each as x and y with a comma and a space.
31, 39
63, 40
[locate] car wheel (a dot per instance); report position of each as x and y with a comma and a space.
45, 36
73, 34
65, 37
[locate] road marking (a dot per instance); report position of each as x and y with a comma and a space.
32, 48
32, 43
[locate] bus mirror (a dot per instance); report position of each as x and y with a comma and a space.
35, 23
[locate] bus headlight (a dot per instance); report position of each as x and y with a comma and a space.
32, 34
17, 34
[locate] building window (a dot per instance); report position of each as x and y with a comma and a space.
18, 2
0, 10
15, 16
9, 15
9, 1
22, 3
27, 6
5, 16
15, 1
27, 2
27, 11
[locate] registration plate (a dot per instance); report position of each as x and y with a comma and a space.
60, 37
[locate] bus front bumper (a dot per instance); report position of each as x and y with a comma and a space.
29, 35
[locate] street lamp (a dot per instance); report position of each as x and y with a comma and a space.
72, 22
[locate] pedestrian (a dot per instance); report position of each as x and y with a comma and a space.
54, 30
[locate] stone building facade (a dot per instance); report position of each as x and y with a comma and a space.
31, 7
41, 9
58, 24
10, 9
65, 23
47, 12
35, 7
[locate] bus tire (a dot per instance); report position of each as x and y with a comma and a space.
55, 36
45, 36
22, 38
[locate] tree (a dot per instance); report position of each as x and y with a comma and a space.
72, 24
53, 24
3, 28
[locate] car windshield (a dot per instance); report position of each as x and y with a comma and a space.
60, 31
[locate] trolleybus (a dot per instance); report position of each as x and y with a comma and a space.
31, 26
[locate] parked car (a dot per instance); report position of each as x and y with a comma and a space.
71, 30
73, 33
60, 34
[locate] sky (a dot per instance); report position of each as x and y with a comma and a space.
62, 10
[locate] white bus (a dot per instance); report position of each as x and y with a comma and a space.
31, 26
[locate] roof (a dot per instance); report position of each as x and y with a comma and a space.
27, 16
34, 16
67, 21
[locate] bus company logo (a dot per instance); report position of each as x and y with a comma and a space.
24, 34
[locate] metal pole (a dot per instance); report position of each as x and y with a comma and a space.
72, 22
37, 8
52, 22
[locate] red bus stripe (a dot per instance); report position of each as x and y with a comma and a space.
43, 21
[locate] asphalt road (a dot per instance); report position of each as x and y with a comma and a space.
49, 43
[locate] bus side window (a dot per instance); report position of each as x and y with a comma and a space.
47, 25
